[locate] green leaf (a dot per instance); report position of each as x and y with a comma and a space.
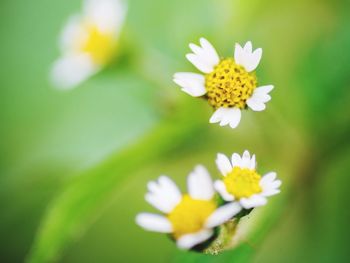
82, 199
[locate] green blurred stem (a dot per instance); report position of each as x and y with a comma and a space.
226, 236
224, 239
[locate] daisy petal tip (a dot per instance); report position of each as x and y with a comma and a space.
190, 45
200, 168
212, 121
246, 154
258, 51
233, 125
222, 124
223, 163
237, 45
215, 118
153, 222
248, 47
203, 39
199, 184
256, 105
220, 187
190, 240
189, 56
219, 155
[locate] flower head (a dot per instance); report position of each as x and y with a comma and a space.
229, 84
189, 218
242, 183
88, 41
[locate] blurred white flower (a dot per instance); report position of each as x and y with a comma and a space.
189, 218
88, 42
230, 85
242, 183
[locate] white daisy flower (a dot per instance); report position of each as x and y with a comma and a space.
88, 42
242, 183
189, 218
228, 84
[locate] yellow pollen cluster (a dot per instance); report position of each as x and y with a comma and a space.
242, 182
229, 85
190, 215
100, 45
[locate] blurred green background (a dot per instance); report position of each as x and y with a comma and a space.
74, 165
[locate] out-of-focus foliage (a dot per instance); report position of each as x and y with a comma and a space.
74, 165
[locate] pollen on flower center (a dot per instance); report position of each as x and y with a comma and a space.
229, 85
190, 215
242, 182
100, 45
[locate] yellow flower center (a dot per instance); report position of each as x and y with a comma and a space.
189, 215
100, 45
229, 85
242, 182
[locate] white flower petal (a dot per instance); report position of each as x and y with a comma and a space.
264, 89
162, 205
195, 49
268, 178
239, 54
236, 160
245, 159
246, 57
199, 184
214, 57
191, 240
191, 83
153, 222
231, 116
252, 162
260, 96
202, 54
234, 117
171, 190
224, 117
254, 60
270, 185
164, 194
276, 184
107, 15
204, 57
169, 185
217, 115
220, 187
253, 201
153, 187
223, 164
200, 63
69, 71
73, 34
248, 47
270, 192
223, 214
255, 104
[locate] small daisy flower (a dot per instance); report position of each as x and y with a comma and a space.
189, 218
242, 183
229, 84
88, 41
